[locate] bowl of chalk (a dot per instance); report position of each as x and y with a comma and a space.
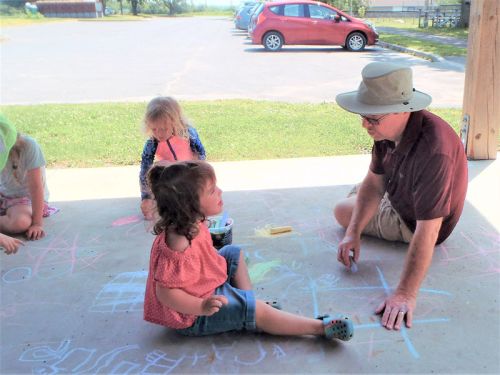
221, 230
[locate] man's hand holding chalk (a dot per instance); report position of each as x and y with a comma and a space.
354, 267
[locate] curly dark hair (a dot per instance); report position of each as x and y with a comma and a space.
176, 189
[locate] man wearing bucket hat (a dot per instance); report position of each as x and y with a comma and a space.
415, 187
8, 136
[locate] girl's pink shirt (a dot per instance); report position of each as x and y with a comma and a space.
181, 148
198, 271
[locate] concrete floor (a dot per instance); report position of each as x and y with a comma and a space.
72, 302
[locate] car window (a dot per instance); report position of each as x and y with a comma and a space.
276, 9
258, 9
293, 10
318, 11
248, 9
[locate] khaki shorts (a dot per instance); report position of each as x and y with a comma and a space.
386, 224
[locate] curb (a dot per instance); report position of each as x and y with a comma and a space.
424, 55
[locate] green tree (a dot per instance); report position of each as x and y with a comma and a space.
135, 6
349, 6
174, 6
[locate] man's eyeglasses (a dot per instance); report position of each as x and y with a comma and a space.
374, 121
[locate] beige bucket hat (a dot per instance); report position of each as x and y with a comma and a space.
385, 88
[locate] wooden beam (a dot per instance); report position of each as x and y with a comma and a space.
481, 105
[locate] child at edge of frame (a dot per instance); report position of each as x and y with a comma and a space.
197, 290
23, 188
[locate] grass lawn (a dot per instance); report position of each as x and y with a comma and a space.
27, 20
411, 24
91, 135
222, 13
21, 19
440, 49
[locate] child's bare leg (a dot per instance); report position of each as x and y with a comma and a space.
17, 220
241, 277
277, 322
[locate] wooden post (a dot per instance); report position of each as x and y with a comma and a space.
481, 106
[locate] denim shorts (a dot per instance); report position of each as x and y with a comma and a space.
238, 314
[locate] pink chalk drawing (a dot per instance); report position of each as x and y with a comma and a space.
479, 249
126, 220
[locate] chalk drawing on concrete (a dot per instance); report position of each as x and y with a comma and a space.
479, 255
124, 293
77, 360
126, 220
291, 280
61, 257
64, 358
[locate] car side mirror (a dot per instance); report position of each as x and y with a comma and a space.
336, 18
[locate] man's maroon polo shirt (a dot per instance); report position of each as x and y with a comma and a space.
426, 174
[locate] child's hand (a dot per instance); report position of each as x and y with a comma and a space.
35, 232
213, 304
10, 244
147, 206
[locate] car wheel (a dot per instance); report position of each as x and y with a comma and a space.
355, 42
273, 41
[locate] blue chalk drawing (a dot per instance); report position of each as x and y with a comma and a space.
65, 359
45, 352
159, 362
278, 352
17, 275
124, 293
76, 360
415, 322
296, 282
403, 330
312, 286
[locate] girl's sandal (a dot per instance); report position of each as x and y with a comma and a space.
337, 328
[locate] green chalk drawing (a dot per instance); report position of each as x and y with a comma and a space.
258, 271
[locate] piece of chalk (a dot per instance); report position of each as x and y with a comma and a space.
354, 267
277, 230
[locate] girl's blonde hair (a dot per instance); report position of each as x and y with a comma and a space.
168, 109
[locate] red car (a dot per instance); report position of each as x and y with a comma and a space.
308, 22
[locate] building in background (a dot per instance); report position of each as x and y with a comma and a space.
70, 8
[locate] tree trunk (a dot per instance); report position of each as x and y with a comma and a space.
465, 14
134, 6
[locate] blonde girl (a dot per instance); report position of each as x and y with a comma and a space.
171, 138
23, 189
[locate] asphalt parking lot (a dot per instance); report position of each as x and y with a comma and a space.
202, 58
